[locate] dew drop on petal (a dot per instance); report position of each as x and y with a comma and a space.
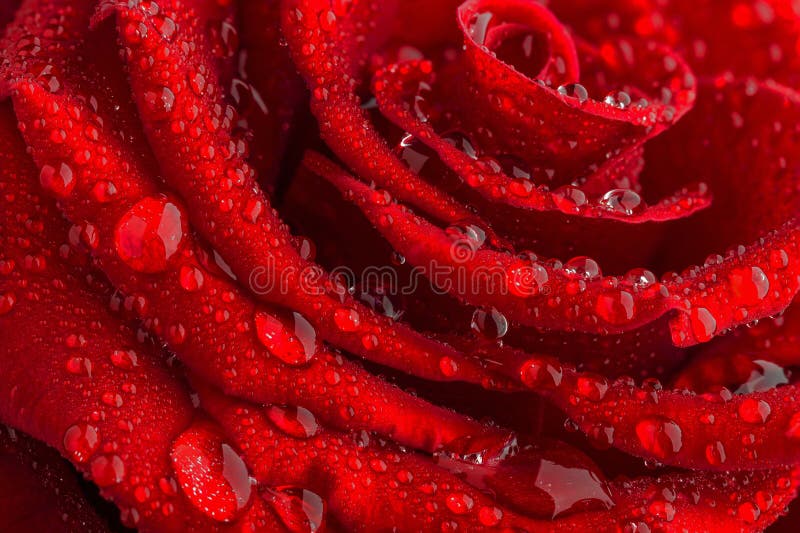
7, 302
191, 278
80, 442
293, 345
300, 510
583, 268
659, 436
107, 470
536, 373
124, 359
640, 278
79, 366
618, 99
295, 421
459, 503
703, 323
715, 453
754, 411
592, 387
346, 319
211, 474
150, 234
490, 516
60, 181
492, 324
749, 285
615, 307
574, 90
623, 201
793, 429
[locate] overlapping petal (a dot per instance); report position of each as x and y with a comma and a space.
576, 192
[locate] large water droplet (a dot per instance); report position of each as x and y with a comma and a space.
7, 302
703, 323
80, 442
459, 502
346, 319
107, 470
150, 234
294, 344
124, 359
300, 510
715, 453
536, 373
583, 267
492, 324
615, 307
574, 90
295, 421
60, 181
660, 436
749, 285
212, 475
619, 99
624, 201
754, 411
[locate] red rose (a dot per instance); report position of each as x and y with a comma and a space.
547, 281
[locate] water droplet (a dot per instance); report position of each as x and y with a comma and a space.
584, 268
715, 453
459, 503
295, 421
448, 366
574, 90
294, 346
660, 436
124, 359
527, 280
749, 285
60, 182
462, 142
191, 278
703, 323
160, 101
7, 302
754, 411
491, 324
327, 20
615, 307
748, 512
569, 199
472, 236
346, 319
779, 259
624, 201
793, 430
104, 191
212, 475
490, 516
150, 234
79, 366
300, 510
619, 99
592, 387
640, 278
80, 442
536, 373
107, 470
